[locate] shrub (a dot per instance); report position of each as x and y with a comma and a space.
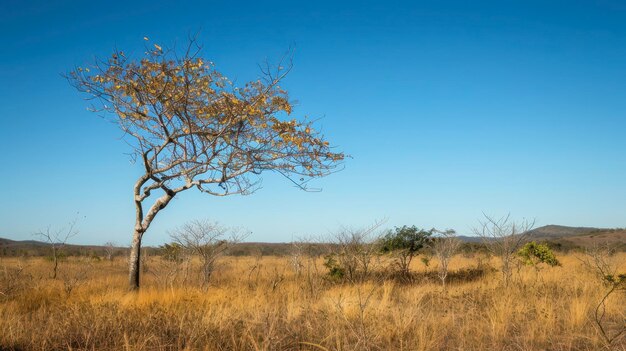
335, 271
533, 254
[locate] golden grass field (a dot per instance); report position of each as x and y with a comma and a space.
262, 304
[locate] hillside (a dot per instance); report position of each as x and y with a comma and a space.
558, 231
582, 237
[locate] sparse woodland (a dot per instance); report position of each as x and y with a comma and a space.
295, 303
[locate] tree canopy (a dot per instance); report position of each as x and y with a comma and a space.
405, 242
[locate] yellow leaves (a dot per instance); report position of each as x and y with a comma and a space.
199, 63
170, 84
196, 103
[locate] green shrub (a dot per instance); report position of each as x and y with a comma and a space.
533, 254
335, 271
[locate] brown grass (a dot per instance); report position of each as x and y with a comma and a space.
261, 304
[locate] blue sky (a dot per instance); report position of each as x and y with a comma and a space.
448, 108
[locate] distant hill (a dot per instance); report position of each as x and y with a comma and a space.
470, 239
558, 231
580, 237
547, 232
24, 243
10, 247
565, 238
614, 237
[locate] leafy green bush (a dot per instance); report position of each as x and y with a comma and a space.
405, 242
335, 271
533, 254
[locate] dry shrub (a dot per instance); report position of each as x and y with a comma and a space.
13, 281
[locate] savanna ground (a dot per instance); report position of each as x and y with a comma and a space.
264, 303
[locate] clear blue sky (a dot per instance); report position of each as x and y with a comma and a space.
449, 109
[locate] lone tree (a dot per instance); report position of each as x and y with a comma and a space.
57, 239
208, 240
504, 237
405, 242
445, 245
190, 127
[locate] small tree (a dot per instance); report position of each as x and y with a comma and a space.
190, 127
444, 246
600, 261
208, 240
109, 250
503, 238
57, 241
296, 256
405, 242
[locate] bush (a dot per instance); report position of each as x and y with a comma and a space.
335, 271
533, 254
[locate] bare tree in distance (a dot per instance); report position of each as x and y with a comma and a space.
297, 252
208, 240
503, 237
352, 252
304, 254
57, 239
445, 245
191, 127
109, 250
175, 259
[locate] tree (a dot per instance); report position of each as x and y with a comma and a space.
445, 245
109, 250
190, 127
601, 262
503, 238
405, 242
208, 240
57, 241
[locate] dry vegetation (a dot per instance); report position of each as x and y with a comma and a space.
272, 303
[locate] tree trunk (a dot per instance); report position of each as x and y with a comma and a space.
134, 261
141, 225
55, 262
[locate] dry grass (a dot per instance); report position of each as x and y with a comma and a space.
261, 304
